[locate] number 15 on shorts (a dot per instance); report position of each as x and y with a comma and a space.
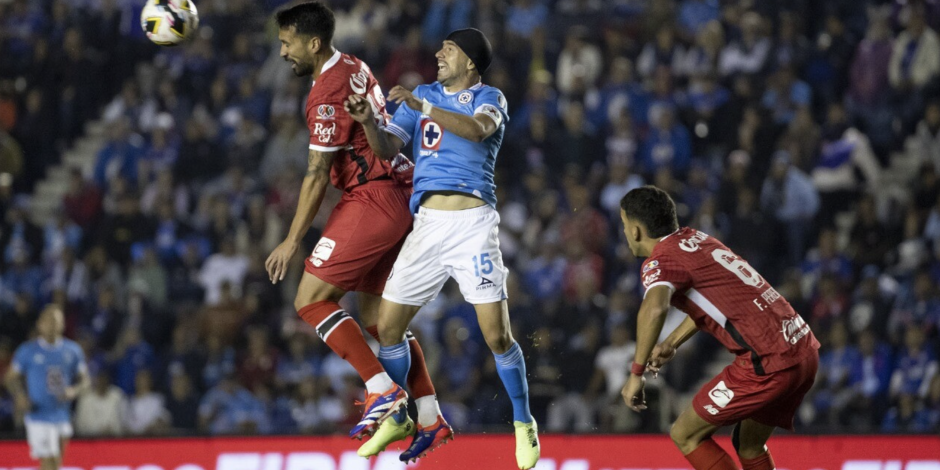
485, 262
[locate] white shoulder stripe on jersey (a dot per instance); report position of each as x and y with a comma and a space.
660, 283
707, 306
402, 134
319, 148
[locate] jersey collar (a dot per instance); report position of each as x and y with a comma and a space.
671, 234
330, 63
47, 345
474, 87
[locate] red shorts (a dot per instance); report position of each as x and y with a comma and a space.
362, 237
738, 393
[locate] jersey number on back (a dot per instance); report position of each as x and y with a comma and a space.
738, 267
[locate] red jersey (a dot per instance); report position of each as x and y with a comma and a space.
332, 129
729, 300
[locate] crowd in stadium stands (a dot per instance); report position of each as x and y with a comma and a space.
805, 134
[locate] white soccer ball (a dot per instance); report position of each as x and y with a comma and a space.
169, 22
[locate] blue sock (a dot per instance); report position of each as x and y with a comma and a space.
397, 361
511, 368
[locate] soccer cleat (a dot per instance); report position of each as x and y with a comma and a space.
389, 431
427, 439
527, 444
378, 407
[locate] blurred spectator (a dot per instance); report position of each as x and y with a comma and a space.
82, 201
915, 60
748, 54
99, 412
230, 408
146, 414
665, 51
836, 381
668, 143
789, 194
313, 409
579, 64
182, 404
224, 267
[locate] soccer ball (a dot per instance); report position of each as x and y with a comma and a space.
169, 22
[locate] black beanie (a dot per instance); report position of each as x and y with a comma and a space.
475, 45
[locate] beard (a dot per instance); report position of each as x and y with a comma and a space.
301, 69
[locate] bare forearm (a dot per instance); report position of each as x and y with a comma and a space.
311, 196
682, 333
461, 125
649, 324
381, 142
14, 383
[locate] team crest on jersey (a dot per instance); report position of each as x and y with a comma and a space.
358, 81
325, 111
465, 97
431, 135
650, 265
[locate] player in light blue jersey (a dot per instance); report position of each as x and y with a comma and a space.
456, 127
54, 371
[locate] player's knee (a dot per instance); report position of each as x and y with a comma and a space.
499, 342
390, 333
681, 438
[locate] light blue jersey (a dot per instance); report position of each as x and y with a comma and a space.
443, 161
48, 370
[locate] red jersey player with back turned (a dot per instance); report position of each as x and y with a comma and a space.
365, 231
776, 352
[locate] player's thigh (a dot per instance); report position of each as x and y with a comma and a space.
494, 323
313, 289
471, 253
736, 394
369, 309
690, 430
417, 275
749, 438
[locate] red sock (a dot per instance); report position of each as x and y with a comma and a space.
419, 380
710, 456
764, 462
342, 334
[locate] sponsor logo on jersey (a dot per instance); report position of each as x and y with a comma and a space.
325, 111
711, 409
690, 245
324, 133
485, 284
651, 277
358, 81
650, 265
322, 251
721, 394
794, 329
465, 97
348, 61
431, 135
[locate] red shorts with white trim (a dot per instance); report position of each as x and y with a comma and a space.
362, 237
738, 393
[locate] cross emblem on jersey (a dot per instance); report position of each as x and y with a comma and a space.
432, 134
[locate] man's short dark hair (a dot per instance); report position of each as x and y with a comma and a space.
653, 208
309, 19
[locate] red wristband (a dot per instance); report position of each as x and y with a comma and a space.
637, 369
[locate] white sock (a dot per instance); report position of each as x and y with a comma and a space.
380, 383
428, 410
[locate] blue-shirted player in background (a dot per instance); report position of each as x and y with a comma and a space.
55, 373
457, 126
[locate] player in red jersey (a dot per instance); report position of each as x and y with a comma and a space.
365, 231
776, 352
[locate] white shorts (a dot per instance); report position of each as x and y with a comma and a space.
459, 244
44, 437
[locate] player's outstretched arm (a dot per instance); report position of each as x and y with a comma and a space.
311, 196
384, 144
473, 128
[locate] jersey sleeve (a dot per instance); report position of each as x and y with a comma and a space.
20, 359
491, 102
404, 120
664, 270
330, 125
81, 366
